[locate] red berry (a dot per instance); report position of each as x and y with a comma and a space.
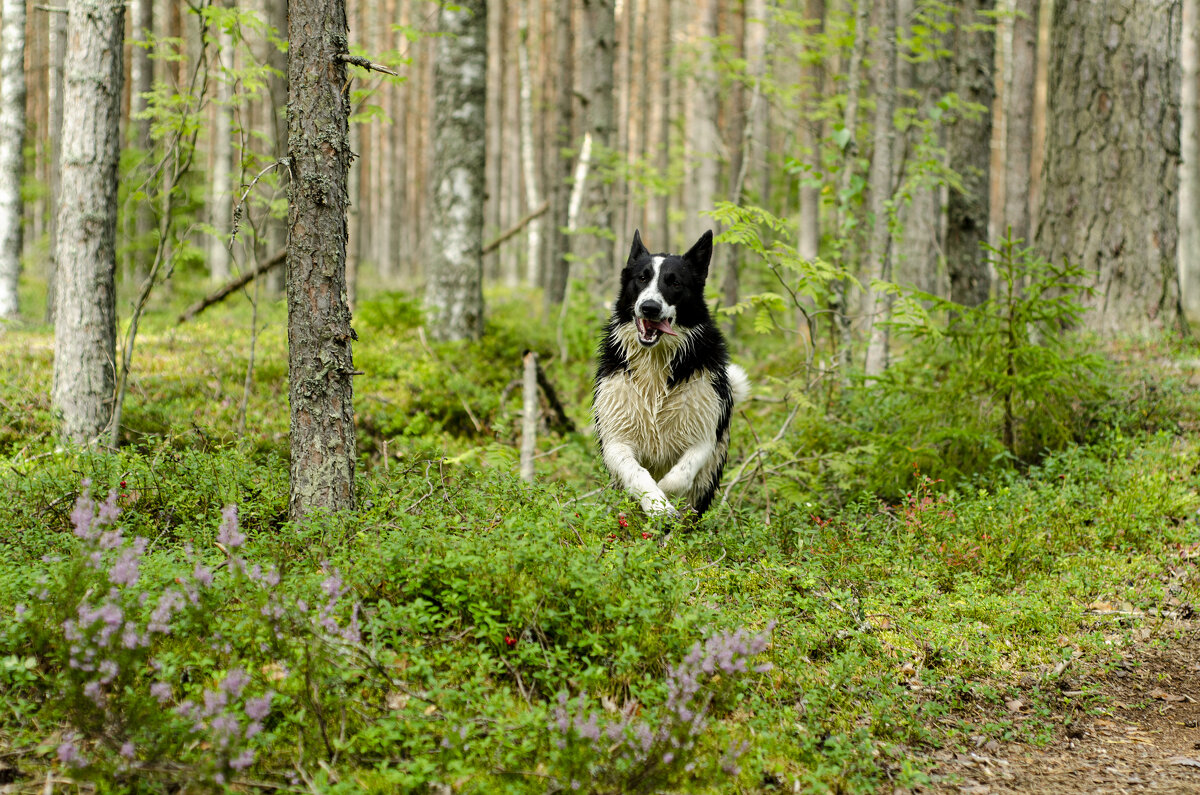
645, 535
510, 640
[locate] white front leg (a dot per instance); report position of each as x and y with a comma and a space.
621, 461
683, 475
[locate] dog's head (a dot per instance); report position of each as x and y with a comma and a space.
664, 293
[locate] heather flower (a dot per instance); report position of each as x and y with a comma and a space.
229, 535
242, 760
258, 708
235, 680
127, 750
69, 754
203, 575
161, 691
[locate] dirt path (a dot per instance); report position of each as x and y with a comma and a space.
1150, 741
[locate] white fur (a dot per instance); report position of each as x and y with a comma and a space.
658, 441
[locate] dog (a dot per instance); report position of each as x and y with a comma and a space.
665, 388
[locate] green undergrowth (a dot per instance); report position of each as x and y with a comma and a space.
464, 629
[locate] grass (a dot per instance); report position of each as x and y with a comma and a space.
901, 620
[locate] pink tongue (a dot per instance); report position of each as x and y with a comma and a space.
661, 325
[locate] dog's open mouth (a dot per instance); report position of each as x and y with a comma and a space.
649, 331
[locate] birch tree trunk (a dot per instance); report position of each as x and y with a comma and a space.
221, 198
85, 311
969, 149
877, 308
12, 137
808, 237
454, 294
1110, 197
1189, 167
54, 114
320, 361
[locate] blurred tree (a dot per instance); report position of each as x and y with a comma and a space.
85, 312
454, 279
12, 138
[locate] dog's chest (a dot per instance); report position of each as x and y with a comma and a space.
637, 408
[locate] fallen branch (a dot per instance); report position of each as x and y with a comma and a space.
495, 244
223, 292
366, 63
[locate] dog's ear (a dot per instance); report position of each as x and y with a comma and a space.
700, 255
637, 249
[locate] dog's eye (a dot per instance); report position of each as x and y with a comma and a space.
644, 277
672, 280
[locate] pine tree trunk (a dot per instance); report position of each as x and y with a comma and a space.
1112, 164
808, 238
85, 311
12, 137
141, 79
533, 194
54, 121
594, 245
876, 307
1189, 167
558, 243
454, 294
320, 361
277, 92
969, 149
1018, 136
701, 135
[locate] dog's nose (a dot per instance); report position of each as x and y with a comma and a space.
651, 310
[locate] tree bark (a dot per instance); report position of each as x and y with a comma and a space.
594, 244
141, 78
221, 197
12, 138
277, 90
1018, 143
54, 121
808, 238
454, 295
1112, 160
85, 312
969, 150
320, 362
1189, 167
876, 307
701, 134
558, 243
533, 195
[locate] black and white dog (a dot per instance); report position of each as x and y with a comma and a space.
665, 388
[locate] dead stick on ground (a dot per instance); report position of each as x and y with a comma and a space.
529, 421
221, 293
495, 244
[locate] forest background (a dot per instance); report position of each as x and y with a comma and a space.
957, 251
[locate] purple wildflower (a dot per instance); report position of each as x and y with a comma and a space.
161, 691
229, 535
259, 708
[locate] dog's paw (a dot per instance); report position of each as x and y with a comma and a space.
658, 505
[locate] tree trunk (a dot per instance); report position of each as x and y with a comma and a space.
277, 91
808, 239
12, 137
85, 312
702, 137
533, 195
54, 114
876, 307
665, 118
594, 244
221, 197
1018, 138
559, 244
1112, 164
454, 295
969, 149
141, 78
1189, 167
320, 362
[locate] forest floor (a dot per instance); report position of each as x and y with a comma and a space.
1146, 740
